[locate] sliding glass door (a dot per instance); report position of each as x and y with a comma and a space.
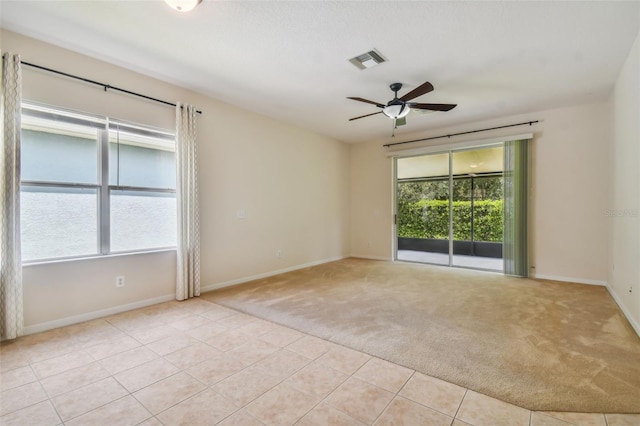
450, 208
423, 217
477, 208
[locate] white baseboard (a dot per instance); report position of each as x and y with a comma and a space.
615, 297
365, 256
75, 319
62, 322
625, 311
568, 279
268, 274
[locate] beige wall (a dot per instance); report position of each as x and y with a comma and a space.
292, 184
624, 272
57, 294
568, 194
315, 198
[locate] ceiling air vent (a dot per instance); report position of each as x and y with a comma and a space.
368, 60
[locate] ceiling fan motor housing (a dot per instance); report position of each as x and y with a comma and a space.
395, 87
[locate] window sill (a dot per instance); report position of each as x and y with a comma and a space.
96, 257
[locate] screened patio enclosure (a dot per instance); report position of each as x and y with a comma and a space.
450, 208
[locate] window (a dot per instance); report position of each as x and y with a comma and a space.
93, 185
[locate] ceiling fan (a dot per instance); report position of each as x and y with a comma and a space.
398, 108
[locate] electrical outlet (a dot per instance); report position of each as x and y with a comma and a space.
279, 254
241, 214
120, 281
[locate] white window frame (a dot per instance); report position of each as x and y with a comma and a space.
102, 187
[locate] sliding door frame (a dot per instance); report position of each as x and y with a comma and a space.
448, 149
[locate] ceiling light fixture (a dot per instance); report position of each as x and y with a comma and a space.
183, 5
396, 111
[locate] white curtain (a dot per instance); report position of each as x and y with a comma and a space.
188, 264
11, 309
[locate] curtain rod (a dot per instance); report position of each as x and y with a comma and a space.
463, 133
103, 85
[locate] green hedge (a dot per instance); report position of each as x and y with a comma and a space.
430, 219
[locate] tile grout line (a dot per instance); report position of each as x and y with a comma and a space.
455, 416
50, 400
317, 403
107, 403
97, 361
268, 390
397, 394
179, 316
426, 406
324, 398
384, 409
183, 370
570, 422
209, 387
189, 397
373, 356
179, 370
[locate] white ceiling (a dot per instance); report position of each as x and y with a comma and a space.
289, 59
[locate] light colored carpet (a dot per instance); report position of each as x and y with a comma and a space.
541, 345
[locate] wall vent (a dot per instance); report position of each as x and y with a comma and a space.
368, 60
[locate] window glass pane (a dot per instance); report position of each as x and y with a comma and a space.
432, 165
477, 161
62, 173
142, 161
461, 209
488, 212
142, 220
59, 152
58, 222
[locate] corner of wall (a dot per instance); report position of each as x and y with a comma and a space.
623, 210
632, 320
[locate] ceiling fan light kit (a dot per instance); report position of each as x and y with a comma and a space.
396, 110
183, 5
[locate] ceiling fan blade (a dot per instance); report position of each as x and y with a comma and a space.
363, 116
379, 105
425, 87
433, 107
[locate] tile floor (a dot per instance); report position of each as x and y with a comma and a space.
198, 363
